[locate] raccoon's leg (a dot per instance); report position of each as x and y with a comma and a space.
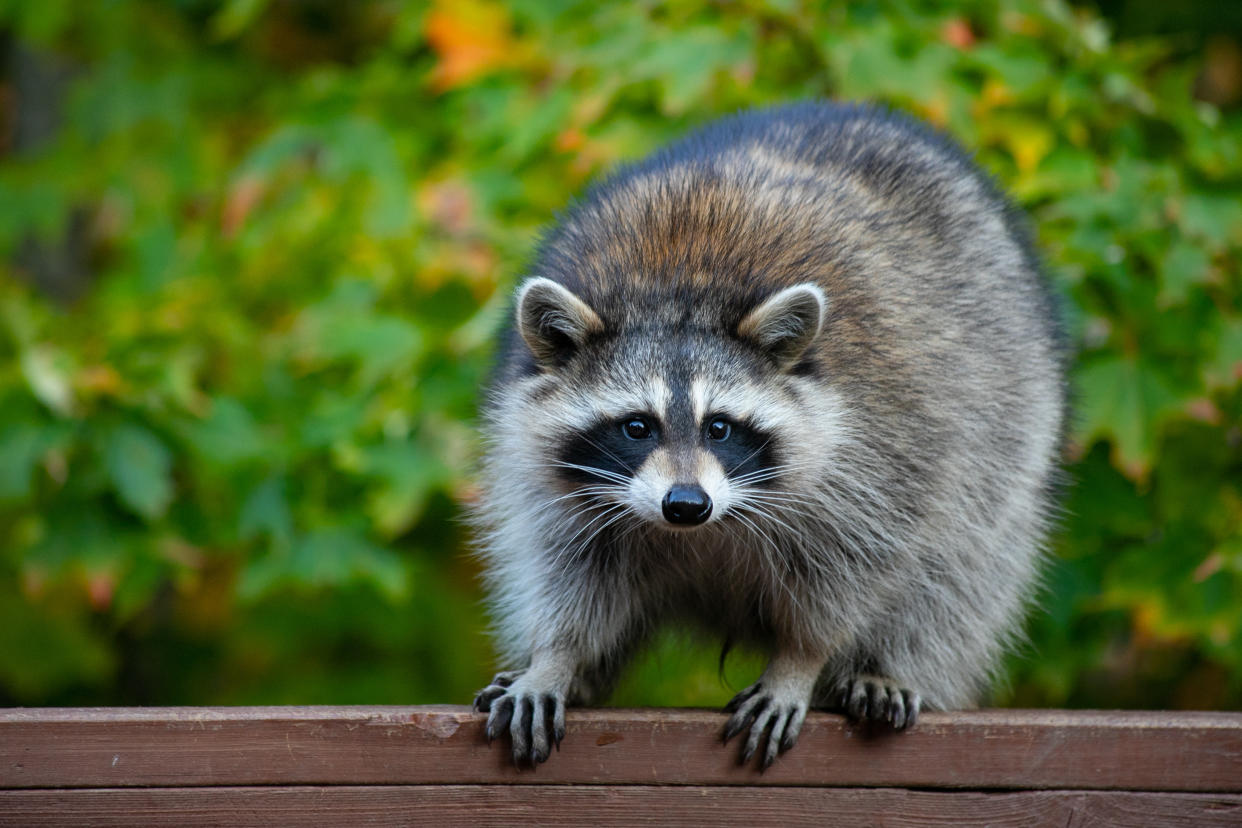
774, 705
573, 623
530, 704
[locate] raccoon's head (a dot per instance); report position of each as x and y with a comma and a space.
680, 417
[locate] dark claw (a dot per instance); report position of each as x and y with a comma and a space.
877, 701
741, 721
741, 697
792, 728
520, 731
769, 751
775, 739
856, 701
540, 731
897, 710
483, 701
540, 751
911, 703
554, 717
757, 732
557, 720
499, 720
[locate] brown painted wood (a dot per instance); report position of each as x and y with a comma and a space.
988, 749
471, 805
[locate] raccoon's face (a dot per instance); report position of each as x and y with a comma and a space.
681, 428
668, 451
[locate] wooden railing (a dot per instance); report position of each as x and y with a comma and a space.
355, 766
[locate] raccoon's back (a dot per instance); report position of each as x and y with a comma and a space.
929, 271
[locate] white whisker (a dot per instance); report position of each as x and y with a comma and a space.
593, 470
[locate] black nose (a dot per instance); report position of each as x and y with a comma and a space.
687, 505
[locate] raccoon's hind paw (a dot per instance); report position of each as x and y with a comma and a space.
763, 710
535, 721
878, 699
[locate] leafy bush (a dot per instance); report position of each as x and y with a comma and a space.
231, 464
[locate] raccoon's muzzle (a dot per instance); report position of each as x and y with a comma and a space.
686, 505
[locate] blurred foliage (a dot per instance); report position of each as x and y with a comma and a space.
251, 270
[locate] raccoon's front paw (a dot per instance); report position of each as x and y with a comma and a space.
878, 699
534, 718
765, 710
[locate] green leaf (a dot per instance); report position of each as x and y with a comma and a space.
228, 435
284, 144
1022, 71
1064, 170
1184, 266
685, 62
157, 254
140, 467
326, 558
1225, 367
236, 17
81, 536
360, 146
409, 473
48, 370
1214, 218
1125, 401
379, 345
22, 446
332, 416
266, 513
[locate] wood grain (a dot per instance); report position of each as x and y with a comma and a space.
471, 805
440, 745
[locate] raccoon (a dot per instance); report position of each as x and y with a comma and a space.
797, 380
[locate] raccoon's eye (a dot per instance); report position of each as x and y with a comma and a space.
719, 430
636, 429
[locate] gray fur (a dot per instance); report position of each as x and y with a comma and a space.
909, 384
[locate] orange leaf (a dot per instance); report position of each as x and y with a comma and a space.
1210, 566
100, 587
101, 379
241, 200
471, 38
570, 139
957, 33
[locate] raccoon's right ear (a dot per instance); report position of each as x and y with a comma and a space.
785, 324
553, 321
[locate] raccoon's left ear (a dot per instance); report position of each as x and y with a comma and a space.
786, 323
553, 321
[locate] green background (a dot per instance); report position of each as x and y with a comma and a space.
252, 254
